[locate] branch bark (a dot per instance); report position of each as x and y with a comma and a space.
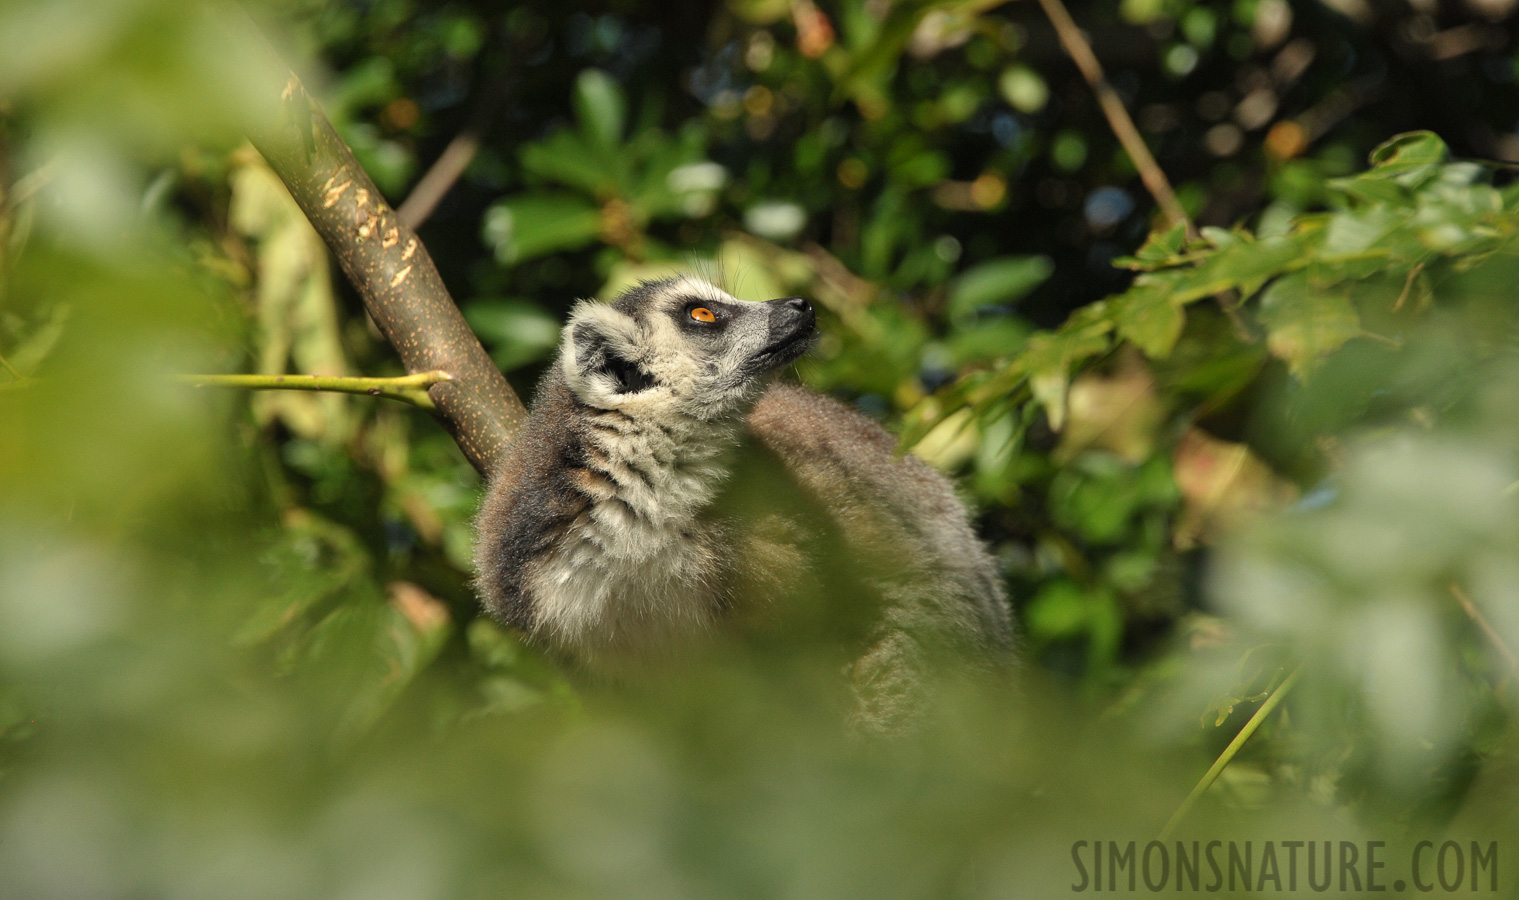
394, 275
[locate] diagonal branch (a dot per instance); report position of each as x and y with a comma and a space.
394, 276
1150, 173
1492, 634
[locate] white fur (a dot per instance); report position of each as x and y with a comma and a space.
636, 577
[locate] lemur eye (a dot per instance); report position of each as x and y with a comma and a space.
702, 314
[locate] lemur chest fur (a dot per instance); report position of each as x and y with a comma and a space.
640, 567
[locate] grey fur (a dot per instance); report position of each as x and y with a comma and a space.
661, 494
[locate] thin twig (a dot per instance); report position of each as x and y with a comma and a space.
1487, 629
451, 163
1229, 752
407, 388
455, 158
10, 368
1118, 118
1407, 286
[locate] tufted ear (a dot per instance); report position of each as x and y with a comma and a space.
600, 350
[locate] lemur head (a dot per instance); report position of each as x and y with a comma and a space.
680, 344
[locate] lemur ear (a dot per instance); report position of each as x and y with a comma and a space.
599, 351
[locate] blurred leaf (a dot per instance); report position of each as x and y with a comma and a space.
1160, 249
534, 224
565, 158
1414, 152
1221, 484
1049, 357
31, 351
317, 560
1023, 89
987, 340
998, 281
1303, 324
1146, 316
517, 332
1119, 413
294, 304
601, 108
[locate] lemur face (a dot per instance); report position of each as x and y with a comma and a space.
680, 345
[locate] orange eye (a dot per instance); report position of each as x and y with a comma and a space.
702, 314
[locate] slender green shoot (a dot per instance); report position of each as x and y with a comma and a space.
406, 388
1229, 752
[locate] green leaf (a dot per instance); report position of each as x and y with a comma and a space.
1059, 610
1148, 318
1304, 325
1219, 237
1410, 151
601, 108
1371, 188
998, 281
517, 332
567, 158
988, 340
1049, 357
535, 224
1351, 234
1242, 267
1160, 249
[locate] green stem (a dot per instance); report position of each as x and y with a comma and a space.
1234, 747
4, 363
406, 388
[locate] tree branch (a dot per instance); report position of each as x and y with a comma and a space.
407, 388
1150, 172
394, 276
1487, 629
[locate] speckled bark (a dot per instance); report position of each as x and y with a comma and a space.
394, 275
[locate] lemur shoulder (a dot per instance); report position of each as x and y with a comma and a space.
664, 491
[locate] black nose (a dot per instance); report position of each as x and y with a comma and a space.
799, 304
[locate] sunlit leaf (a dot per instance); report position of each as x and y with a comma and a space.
1049, 357
1146, 316
1415, 151
1222, 484
1119, 413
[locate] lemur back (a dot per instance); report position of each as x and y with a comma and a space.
662, 494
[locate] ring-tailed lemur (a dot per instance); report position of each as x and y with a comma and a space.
661, 492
